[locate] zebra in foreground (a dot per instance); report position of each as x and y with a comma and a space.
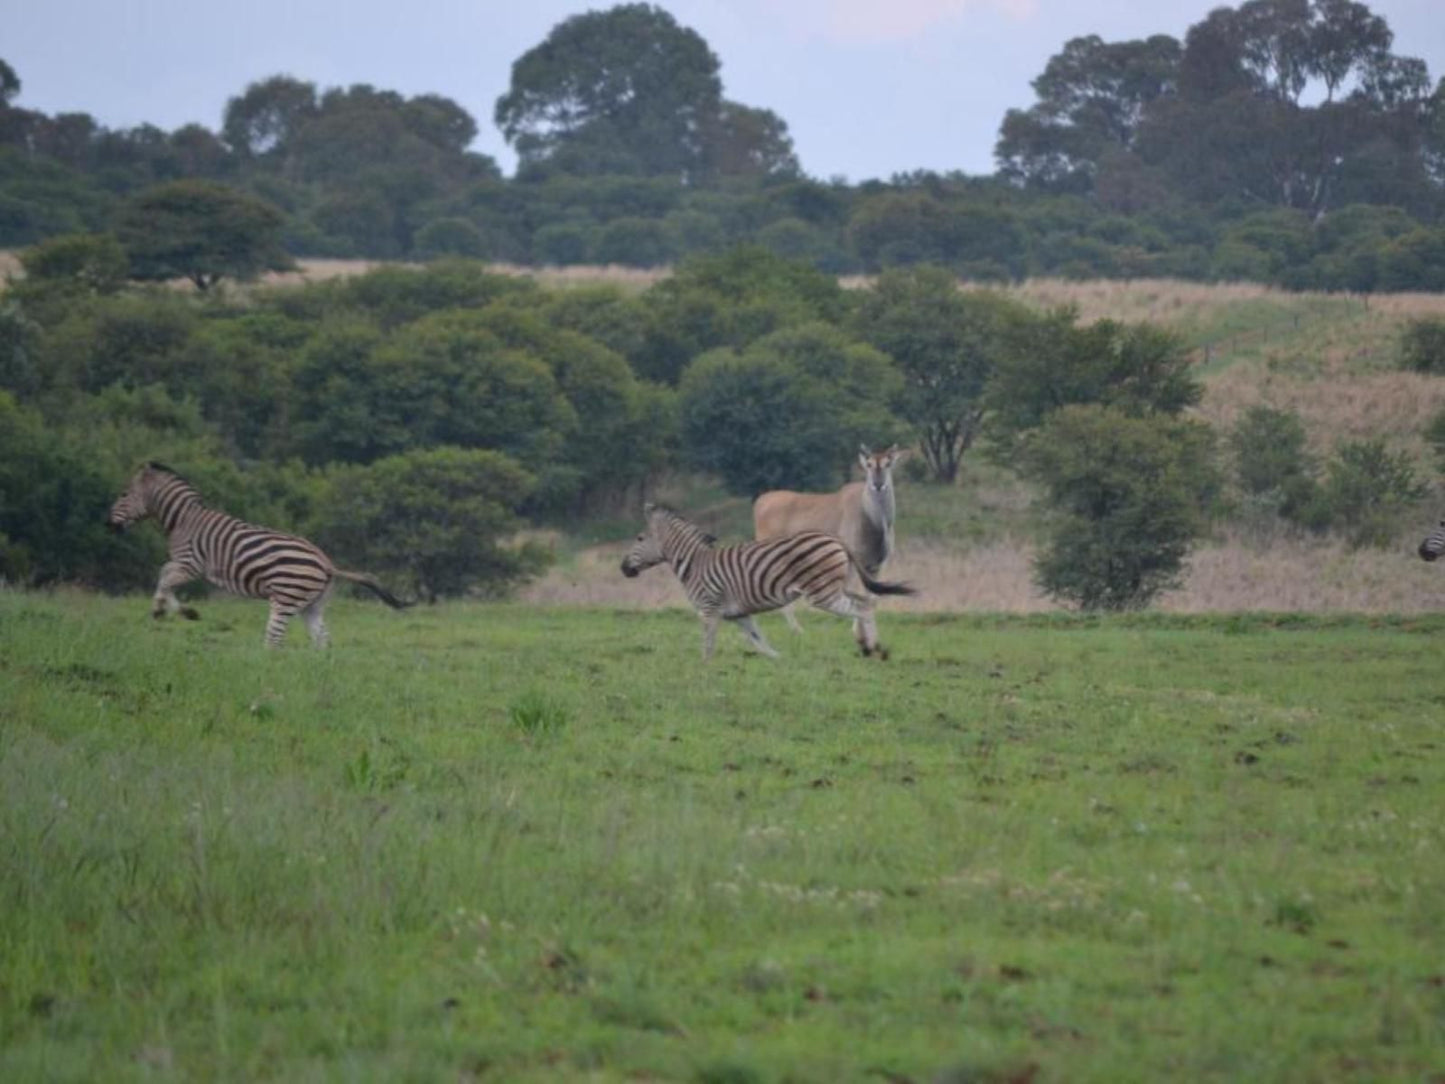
294, 575
735, 582
861, 514
1434, 544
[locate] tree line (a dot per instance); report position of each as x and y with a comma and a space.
412, 420
1282, 141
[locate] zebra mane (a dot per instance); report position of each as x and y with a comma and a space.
673, 514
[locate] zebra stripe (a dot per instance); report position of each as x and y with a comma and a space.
294, 575
1434, 544
734, 582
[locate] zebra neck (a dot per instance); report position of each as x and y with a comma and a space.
683, 554
176, 509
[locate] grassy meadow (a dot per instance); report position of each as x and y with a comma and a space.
509, 842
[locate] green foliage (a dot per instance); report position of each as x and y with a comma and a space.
1422, 345
1139, 369
789, 411
202, 231
450, 237
537, 714
53, 501
1368, 491
619, 91
1130, 494
1435, 437
93, 263
730, 300
946, 344
1272, 463
435, 517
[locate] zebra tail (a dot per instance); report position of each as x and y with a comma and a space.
878, 587
371, 584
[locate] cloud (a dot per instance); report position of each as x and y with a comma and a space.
862, 22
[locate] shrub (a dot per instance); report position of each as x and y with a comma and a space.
1129, 496
1272, 465
1367, 491
435, 517
1422, 345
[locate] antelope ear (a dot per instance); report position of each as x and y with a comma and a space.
863, 456
899, 454
648, 508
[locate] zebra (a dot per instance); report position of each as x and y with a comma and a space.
294, 575
734, 582
1434, 544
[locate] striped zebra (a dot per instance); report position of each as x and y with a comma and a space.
294, 575
735, 582
1434, 544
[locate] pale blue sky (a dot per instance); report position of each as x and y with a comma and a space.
868, 87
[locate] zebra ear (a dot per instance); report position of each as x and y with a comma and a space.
648, 508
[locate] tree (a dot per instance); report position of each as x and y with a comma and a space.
436, 517
946, 344
9, 84
625, 90
264, 119
1139, 369
89, 262
1272, 462
730, 299
1368, 490
1128, 494
52, 509
202, 231
740, 141
1092, 99
787, 412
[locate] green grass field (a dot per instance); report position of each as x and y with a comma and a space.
498, 843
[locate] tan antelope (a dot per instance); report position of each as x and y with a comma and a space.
860, 514
731, 583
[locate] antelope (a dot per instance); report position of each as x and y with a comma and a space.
860, 514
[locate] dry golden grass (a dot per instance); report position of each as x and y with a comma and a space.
1226, 576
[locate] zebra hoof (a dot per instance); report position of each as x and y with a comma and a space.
190, 614
881, 652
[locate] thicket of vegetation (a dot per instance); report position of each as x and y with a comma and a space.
1282, 141
413, 419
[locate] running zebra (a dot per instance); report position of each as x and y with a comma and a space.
256, 562
1434, 544
735, 582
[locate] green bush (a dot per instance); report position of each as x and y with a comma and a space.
1272, 465
1368, 491
436, 518
1422, 345
1129, 495
789, 411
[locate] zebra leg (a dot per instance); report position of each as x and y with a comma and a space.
709, 634
164, 602
752, 632
276, 624
865, 629
316, 623
791, 618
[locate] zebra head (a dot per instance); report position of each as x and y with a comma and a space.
134, 504
878, 467
646, 548
1434, 544
140, 497
667, 537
